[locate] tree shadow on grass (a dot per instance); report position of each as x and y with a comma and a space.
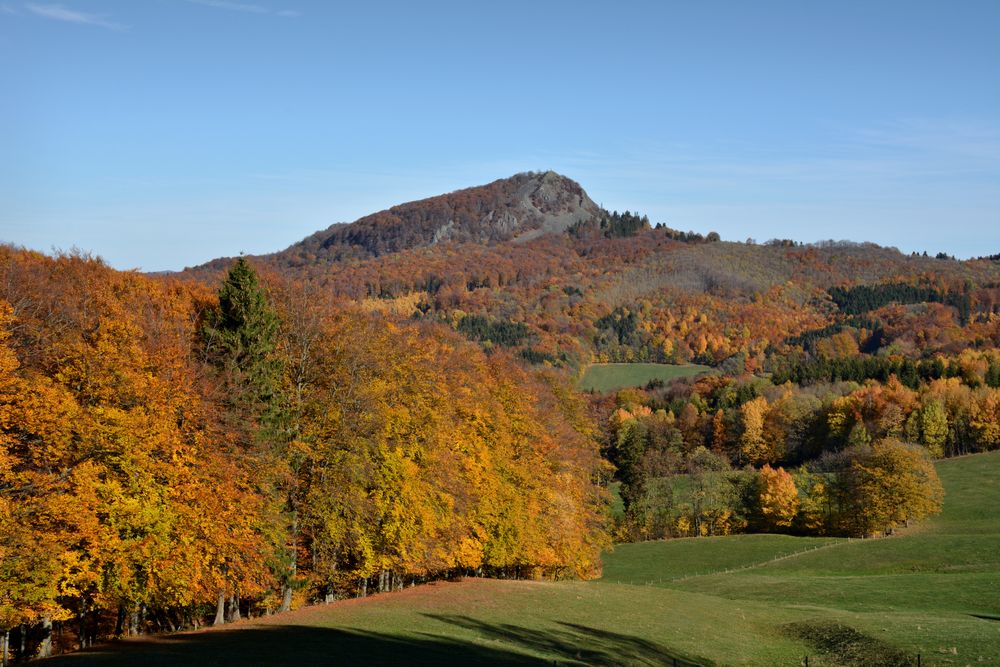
571, 643
295, 645
291, 645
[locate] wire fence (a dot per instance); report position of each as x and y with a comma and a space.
748, 566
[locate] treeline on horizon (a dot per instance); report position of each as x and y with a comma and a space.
174, 454
658, 295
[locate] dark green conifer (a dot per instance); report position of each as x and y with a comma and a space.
240, 338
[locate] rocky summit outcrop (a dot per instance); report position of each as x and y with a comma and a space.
521, 207
518, 208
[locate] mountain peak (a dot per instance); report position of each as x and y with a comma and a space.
521, 207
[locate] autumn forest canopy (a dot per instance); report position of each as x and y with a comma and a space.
395, 401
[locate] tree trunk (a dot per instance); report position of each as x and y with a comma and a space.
286, 598
133, 626
82, 624
120, 622
220, 610
234, 608
94, 626
3, 648
45, 649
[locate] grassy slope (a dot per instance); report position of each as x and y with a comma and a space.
920, 590
916, 592
666, 562
606, 377
477, 622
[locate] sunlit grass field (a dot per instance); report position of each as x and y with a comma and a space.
608, 377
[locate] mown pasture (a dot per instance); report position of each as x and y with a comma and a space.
608, 377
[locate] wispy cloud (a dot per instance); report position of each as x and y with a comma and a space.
7, 9
969, 139
61, 13
247, 8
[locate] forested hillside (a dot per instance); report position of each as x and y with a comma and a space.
840, 361
613, 287
521, 207
176, 453
393, 401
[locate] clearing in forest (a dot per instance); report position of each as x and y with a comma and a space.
608, 377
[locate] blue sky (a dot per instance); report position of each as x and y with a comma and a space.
162, 133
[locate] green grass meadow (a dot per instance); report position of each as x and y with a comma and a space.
608, 377
763, 600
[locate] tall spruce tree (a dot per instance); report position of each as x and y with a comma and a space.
240, 339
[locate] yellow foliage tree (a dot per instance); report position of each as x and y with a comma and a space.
893, 484
779, 499
754, 448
